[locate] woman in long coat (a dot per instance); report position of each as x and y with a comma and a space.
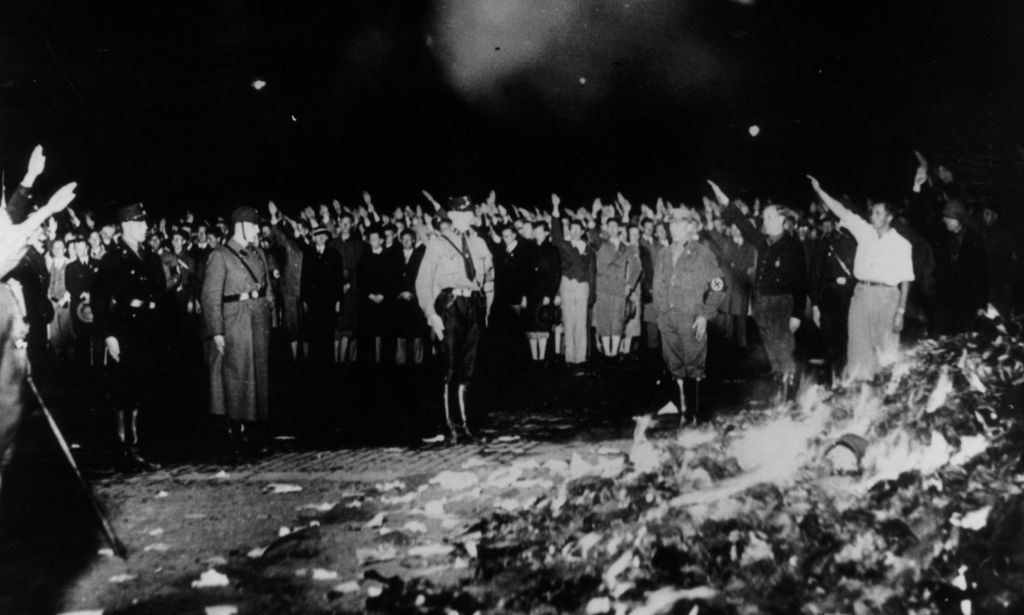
618, 267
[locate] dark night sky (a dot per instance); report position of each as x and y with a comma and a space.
152, 100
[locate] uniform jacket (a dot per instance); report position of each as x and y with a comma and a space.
443, 267
291, 263
831, 262
226, 276
688, 286
238, 377
781, 269
126, 278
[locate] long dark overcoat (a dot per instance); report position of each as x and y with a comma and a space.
238, 377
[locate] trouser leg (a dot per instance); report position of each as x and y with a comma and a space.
861, 361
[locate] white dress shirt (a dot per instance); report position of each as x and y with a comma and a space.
884, 259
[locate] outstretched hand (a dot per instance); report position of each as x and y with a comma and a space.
58, 202
814, 183
719, 195
36, 164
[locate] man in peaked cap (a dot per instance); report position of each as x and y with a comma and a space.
455, 288
237, 308
124, 299
688, 289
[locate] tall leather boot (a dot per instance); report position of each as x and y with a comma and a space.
453, 435
462, 411
241, 447
128, 435
684, 411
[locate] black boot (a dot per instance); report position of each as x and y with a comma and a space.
453, 434
462, 411
129, 459
242, 447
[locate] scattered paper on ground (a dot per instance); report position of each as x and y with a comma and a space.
211, 578
159, 547
276, 488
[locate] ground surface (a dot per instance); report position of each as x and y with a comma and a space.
351, 449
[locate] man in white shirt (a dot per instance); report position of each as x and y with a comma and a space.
884, 270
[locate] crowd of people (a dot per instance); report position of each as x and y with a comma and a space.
579, 286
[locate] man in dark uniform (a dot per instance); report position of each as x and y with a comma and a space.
688, 289
34, 278
831, 289
455, 290
125, 295
323, 278
780, 283
237, 308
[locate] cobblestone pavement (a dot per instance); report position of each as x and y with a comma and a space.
357, 464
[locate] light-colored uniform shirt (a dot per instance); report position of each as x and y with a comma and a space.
443, 267
885, 259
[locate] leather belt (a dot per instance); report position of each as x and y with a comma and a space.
139, 304
254, 294
460, 292
882, 284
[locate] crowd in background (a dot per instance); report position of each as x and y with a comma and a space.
575, 284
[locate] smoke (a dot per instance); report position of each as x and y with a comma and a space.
571, 55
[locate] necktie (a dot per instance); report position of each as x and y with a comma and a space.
467, 257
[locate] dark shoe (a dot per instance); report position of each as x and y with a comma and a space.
141, 462
470, 437
453, 436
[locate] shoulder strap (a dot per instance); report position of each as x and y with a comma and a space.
832, 253
467, 257
452, 243
252, 273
